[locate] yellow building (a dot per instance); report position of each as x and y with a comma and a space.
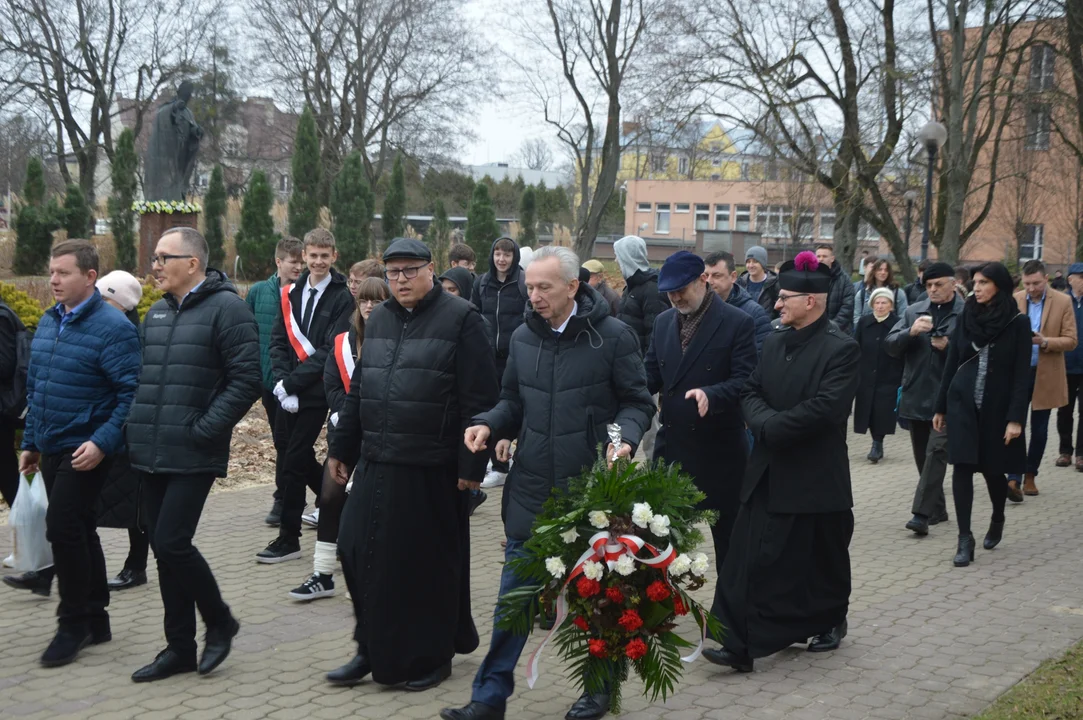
694, 151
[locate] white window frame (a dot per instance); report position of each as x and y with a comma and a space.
1042, 67
643, 207
827, 223
722, 212
661, 212
1038, 126
283, 183
740, 211
806, 225
703, 216
682, 166
1036, 235
716, 161
684, 208
773, 221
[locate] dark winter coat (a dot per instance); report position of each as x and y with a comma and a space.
740, 299
200, 376
265, 302
768, 295
840, 299
881, 375
719, 359
977, 437
335, 386
1073, 359
502, 304
422, 377
796, 404
330, 317
641, 304
559, 393
915, 292
923, 366
611, 297
81, 382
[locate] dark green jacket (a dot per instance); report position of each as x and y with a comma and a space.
264, 298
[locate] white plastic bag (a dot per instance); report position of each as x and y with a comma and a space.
27, 520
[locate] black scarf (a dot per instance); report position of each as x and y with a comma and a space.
982, 323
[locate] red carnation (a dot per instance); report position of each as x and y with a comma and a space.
588, 588
630, 621
658, 591
635, 649
597, 648
581, 623
678, 605
614, 595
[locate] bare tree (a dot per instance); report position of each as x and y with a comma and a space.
534, 154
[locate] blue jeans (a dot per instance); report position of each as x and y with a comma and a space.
495, 681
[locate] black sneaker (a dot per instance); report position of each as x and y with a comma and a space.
274, 518
280, 550
476, 499
317, 586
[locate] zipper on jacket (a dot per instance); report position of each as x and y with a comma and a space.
158, 407
553, 411
387, 386
496, 318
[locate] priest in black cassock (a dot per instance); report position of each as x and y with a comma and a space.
786, 578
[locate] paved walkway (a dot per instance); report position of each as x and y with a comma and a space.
926, 640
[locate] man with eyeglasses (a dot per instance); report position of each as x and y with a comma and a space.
786, 577
426, 370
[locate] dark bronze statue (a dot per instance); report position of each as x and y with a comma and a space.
171, 154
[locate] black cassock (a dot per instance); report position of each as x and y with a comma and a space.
786, 577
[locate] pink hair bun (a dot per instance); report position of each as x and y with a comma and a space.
806, 261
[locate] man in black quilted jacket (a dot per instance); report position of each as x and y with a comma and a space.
201, 374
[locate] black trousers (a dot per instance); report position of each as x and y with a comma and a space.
1064, 418
174, 504
138, 549
71, 528
297, 468
9, 463
271, 407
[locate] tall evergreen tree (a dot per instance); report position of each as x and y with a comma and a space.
393, 215
214, 210
481, 226
304, 209
256, 238
34, 189
35, 223
121, 217
351, 211
78, 218
528, 235
439, 235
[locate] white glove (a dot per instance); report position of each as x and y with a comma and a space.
291, 403
280, 391
334, 419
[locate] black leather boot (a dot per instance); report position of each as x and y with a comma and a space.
992, 538
965, 554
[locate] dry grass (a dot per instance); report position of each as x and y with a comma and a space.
1052, 692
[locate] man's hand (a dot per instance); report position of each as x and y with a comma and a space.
86, 457
940, 423
469, 485
1038, 339
339, 472
1013, 431
702, 404
280, 391
625, 451
940, 343
475, 438
923, 324
503, 451
28, 462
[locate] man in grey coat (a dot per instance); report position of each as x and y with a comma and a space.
921, 339
572, 369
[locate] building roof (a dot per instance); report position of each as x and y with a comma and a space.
498, 171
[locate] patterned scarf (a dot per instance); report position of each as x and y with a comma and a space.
689, 324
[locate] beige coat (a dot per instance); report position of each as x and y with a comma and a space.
1058, 327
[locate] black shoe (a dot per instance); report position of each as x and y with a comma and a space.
965, 554
274, 518
217, 644
876, 454
829, 640
589, 707
473, 711
992, 538
919, 524
167, 664
728, 658
39, 582
100, 631
937, 519
279, 550
431, 680
351, 673
128, 578
65, 647
476, 499
317, 586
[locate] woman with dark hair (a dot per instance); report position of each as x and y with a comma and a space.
881, 374
983, 399
346, 351
878, 275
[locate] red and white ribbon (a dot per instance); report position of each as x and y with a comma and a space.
344, 359
298, 341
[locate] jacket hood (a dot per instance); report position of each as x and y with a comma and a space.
769, 278
216, 282
738, 295
592, 309
517, 257
631, 252
641, 277
836, 270
462, 279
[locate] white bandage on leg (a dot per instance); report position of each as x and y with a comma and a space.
324, 558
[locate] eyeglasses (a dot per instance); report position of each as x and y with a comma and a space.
784, 298
163, 258
409, 273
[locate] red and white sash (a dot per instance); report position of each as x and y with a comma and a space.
344, 359
300, 343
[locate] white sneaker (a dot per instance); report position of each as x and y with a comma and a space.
494, 479
312, 519
9, 561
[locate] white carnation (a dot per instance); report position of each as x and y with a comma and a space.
660, 525
699, 564
593, 570
570, 536
598, 519
642, 515
555, 566
626, 565
680, 565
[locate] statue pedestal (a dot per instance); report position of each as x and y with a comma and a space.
152, 226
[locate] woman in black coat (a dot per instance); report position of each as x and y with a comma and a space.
983, 400
881, 374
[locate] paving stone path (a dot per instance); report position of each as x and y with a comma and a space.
926, 640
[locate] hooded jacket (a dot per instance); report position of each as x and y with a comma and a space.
464, 280
503, 304
558, 396
264, 301
768, 295
840, 300
641, 303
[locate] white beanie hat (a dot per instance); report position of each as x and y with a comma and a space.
121, 287
882, 292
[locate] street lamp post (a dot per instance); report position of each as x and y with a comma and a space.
932, 137
911, 197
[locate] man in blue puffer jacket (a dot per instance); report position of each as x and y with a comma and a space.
84, 368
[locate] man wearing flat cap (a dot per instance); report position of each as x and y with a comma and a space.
426, 370
920, 338
786, 578
701, 354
